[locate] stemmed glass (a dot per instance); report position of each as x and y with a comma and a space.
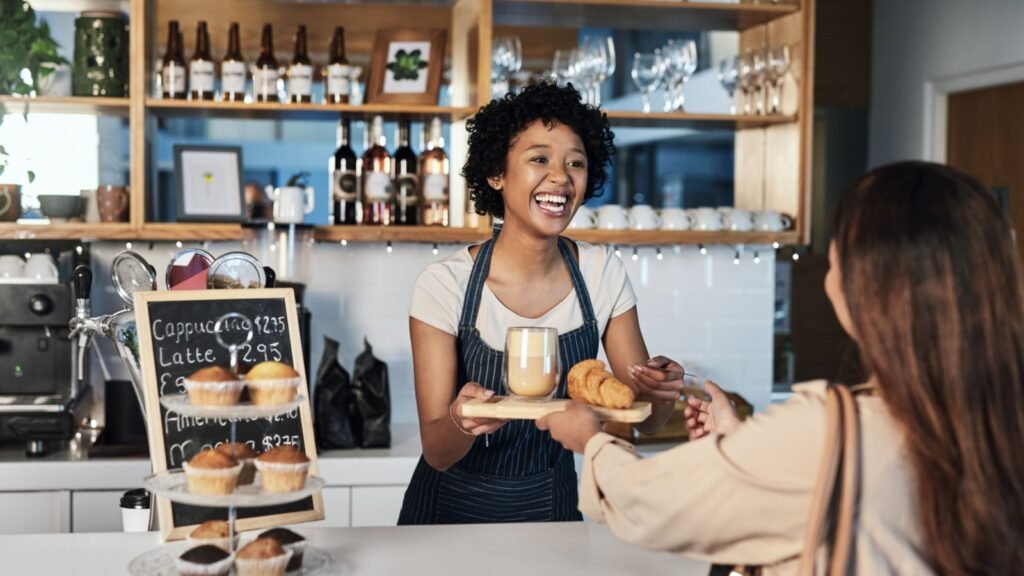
608, 48
562, 67
506, 59
687, 60
728, 75
759, 61
588, 62
673, 54
778, 65
745, 65
648, 72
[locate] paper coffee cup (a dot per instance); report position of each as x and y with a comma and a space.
135, 511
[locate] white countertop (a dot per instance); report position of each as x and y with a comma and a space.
66, 470
560, 549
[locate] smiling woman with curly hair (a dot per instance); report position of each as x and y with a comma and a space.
534, 158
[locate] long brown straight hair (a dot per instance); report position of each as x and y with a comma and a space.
930, 275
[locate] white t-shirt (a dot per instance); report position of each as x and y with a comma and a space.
441, 289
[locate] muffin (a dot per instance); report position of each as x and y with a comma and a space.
262, 557
212, 472
204, 560
212, 532
214, 386
272, 383
289, 541
244, 454
283, 469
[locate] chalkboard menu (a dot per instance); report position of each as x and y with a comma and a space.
177, 336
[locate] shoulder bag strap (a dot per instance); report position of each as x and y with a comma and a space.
841, 443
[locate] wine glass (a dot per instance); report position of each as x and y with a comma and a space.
562, 66
689, 66
728, 74
648, 72
745, 65
778, 65
759, 62
674, 57
531, 368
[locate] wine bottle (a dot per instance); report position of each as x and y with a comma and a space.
434, 178
172, 71
337, 73
265, 74
407, 208
232, 69
300, 72
200, 67
377, 192
344, 177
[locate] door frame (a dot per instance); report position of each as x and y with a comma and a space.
936, 102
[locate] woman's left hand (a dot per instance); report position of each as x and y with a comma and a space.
661, 379
572, 427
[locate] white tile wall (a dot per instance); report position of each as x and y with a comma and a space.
700, 309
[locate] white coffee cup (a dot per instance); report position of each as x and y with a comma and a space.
674, 219
291, 204
736, 219
40, 267
771, 221
11, 266
612, 217
135, 506
584, 219
643, 217
706, 219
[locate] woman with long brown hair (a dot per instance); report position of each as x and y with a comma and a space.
924, 277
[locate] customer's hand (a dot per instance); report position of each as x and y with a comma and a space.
660, 379
708, 418
474, 426
572, 427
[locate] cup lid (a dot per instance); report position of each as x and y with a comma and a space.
138, 498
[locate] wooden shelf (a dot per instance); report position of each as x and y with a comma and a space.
668, 237
65, 105
692, 120
67, 231
425, 234
188, 231
678, 15
278, 109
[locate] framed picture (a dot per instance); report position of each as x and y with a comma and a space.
406, 66
208, 183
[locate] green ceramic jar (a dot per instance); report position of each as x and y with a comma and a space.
101, 55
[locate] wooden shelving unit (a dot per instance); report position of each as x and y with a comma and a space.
66, 105
67, 231
695, 120
287, 110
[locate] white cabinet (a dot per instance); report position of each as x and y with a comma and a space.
337, 511
96, 511
376, 505
35, 512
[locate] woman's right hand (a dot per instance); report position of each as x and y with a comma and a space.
708, 418
474, 426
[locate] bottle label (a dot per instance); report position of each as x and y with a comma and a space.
338, 79
345, 185
435, 187
232, 77
173, 79
377, 187
300, 80
200, 76
406, 185
264, 82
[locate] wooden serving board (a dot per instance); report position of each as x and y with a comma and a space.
508, 408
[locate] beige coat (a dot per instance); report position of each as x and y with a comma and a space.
745, 498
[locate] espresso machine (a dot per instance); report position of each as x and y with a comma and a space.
42, 399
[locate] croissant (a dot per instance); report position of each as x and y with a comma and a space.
590, 382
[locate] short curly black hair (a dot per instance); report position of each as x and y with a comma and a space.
493, 130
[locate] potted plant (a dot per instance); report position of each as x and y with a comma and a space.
28, 49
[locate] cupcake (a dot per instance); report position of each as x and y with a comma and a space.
272, 383
214, 386
283, 469
244, 454
204, 560
262, 557
289, 541
213, 533
211, 472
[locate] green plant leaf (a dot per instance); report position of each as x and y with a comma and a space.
2, 168
31, 176
3, 151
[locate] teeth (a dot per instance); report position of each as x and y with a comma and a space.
552, 198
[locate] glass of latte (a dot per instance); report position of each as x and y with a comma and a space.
531, 366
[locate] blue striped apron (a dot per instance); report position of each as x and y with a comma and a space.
519, 474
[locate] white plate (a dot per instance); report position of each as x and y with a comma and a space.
174, 485
160, 562
182, 405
